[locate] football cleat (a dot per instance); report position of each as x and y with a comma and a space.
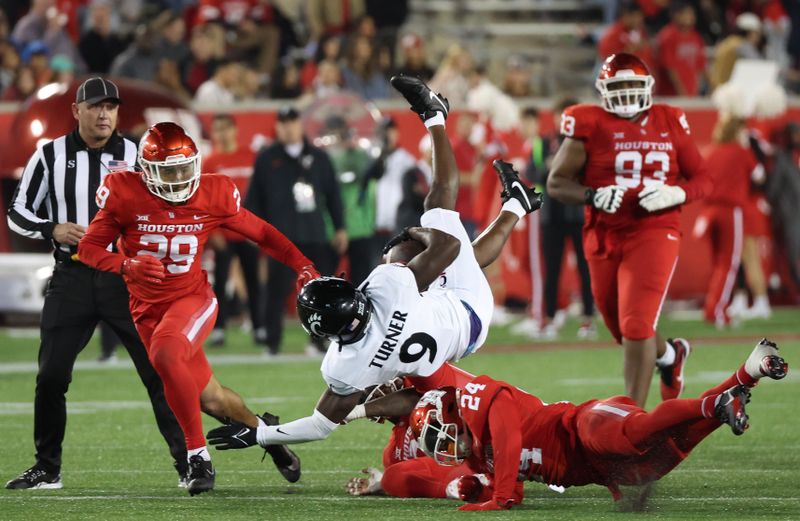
529, 198
36, 477
765, 361
422, 99
183, 474
730, 408
201, 475
286, 461
672, 376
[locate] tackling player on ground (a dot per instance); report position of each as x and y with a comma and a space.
409, 317
512, 436
163, 217
632, 163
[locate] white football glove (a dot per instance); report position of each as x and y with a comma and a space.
658, 197
608, 198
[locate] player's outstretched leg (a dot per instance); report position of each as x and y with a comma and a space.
518, 200
672, 382
433, 110
763, 361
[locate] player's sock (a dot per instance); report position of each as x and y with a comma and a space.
200, 451
167, 355
668, 358
515, 207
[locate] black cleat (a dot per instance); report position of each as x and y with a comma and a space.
286, 461
529, 198
730, 408
201, 475
422, 99
672, 382
35, 477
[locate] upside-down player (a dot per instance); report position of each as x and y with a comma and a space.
406, 319
512, 436
164, 217
624, 161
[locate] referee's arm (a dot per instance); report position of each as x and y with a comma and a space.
31, 191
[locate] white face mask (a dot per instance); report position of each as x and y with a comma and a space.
627, 102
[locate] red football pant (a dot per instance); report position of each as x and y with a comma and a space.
631, 277
173, 334
629, 446
724, 227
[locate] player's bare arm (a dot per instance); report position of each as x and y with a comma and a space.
395, 405
563, 182
441, 249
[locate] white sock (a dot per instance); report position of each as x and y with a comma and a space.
515, 207
438, 119
668, 358
261, 430
200, 451
761, 302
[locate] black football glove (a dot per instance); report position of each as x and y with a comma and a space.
232, 436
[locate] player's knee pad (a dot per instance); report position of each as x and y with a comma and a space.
635, 328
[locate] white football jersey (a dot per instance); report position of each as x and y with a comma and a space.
409, 334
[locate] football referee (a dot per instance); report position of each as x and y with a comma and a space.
55, 201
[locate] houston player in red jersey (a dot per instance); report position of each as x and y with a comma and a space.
163, 217
632, 163
512, 436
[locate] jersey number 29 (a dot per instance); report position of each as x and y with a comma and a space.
181, 261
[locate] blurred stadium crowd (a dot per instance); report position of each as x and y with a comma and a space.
222, 51
219, 53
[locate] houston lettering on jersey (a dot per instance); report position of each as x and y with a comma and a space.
169, 228
396, 325
643, 145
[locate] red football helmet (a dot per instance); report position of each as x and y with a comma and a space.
437, 424
625, 100
170, 161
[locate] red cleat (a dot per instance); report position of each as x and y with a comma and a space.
672, 376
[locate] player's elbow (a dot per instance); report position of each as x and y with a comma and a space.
450, 248
556, 185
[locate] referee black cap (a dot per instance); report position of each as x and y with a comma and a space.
97, 89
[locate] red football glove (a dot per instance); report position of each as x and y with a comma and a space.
306, 275
143, 269
488, 505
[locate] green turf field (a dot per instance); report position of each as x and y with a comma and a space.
117, 467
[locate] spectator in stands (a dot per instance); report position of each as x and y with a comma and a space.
361, 75
228, 157
388, 17
23, 86
492, 104
330, 50
711, 20
219, 90
327, 82
467, 144
744, 42
451, 78
627, 34
171, 30
206, 47
286, 81
168, 75
559, 222
392, 164
517, 80
326, 17
656, 14
37, 56
414, 60
351, 164
139, 61
793, 47
44, 22
9, 63
776, 28
99, 45
62, 68
681, 54
294, 186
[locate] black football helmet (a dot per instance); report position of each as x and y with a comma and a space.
331, 307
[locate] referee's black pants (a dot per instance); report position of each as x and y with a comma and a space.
554, 236
248, 259
77, 298
280, 282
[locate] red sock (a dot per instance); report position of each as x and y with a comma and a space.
744, 378
169, 356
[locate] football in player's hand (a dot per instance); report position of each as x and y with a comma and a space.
404, 251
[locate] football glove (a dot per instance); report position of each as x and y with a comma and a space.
142, 269
608, 198
369, 485
306, 275
662, 196
469, 488
232, 436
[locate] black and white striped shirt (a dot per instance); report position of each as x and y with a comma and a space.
64, 174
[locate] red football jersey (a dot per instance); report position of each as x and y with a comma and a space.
656, 148
238, 165
175, 234
730, 166
518, 437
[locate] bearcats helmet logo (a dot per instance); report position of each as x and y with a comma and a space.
313, 323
